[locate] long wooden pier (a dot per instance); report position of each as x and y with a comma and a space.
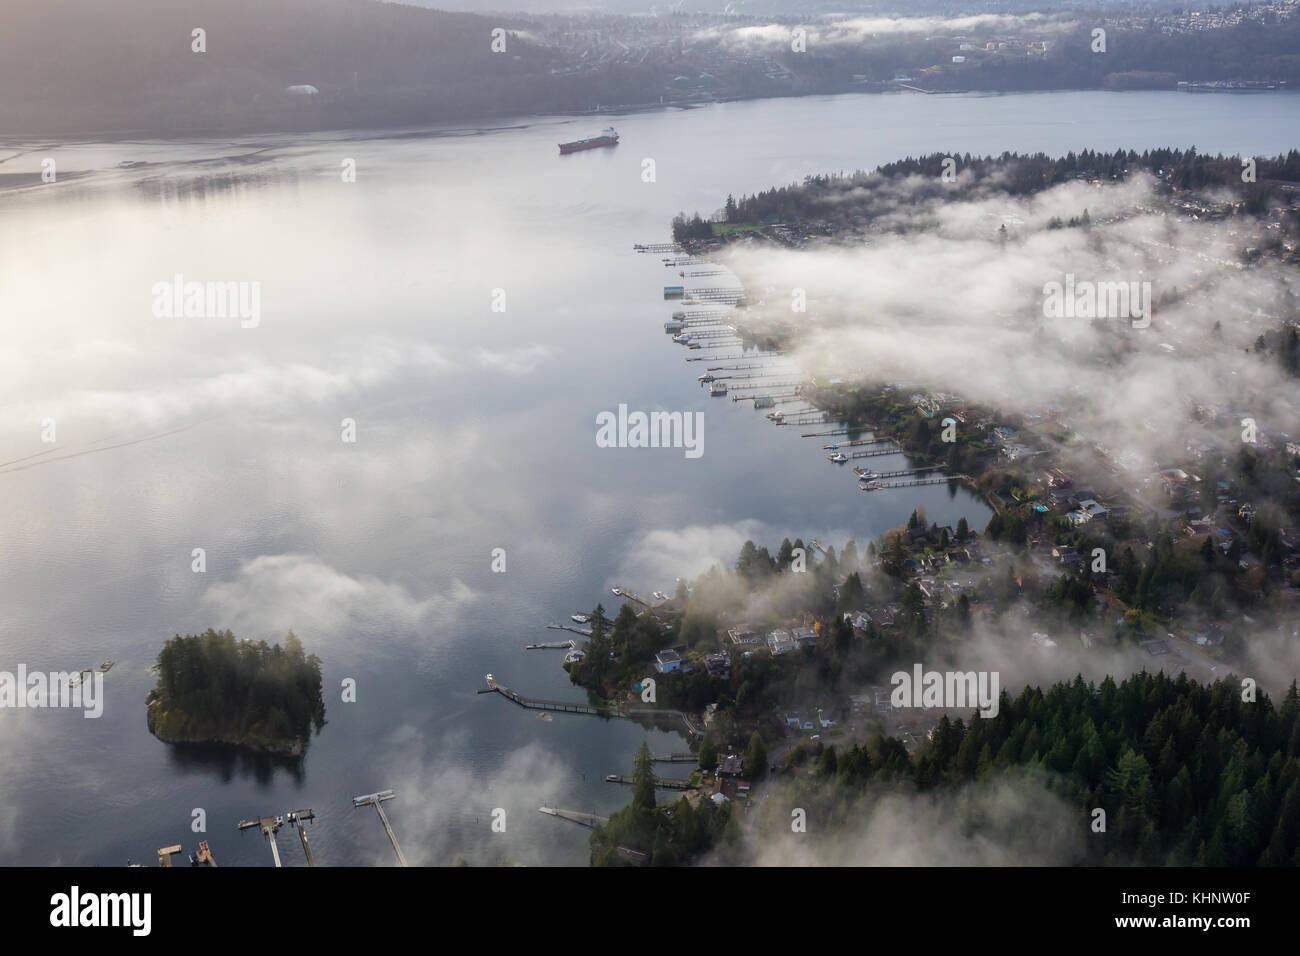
296, 817
900, 473
631, 596
656, 247
722, 358
673, 758
661, 783
750, 396
588, 820
269, 826
873, 452
571, 630
910, 483
570, 707
713, 334
377, 800
859, 441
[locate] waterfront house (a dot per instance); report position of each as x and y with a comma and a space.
780, 642
666, 662
718, 665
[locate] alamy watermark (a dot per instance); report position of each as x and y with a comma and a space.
651, 430
947, 689
1085, 299
39, 690
179, 299
129, 910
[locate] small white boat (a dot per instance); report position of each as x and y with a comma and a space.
543, 715
581, 618
839, 458
707, 377
681, 338
659, 596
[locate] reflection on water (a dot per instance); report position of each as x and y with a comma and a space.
227, 763
475, 431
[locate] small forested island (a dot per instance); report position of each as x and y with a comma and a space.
216, 688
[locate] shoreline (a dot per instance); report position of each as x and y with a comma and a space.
487, 122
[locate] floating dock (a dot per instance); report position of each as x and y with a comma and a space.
657, 247
673, 758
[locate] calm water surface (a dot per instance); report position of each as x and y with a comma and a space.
475, 431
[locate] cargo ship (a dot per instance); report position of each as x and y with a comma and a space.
607, 138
